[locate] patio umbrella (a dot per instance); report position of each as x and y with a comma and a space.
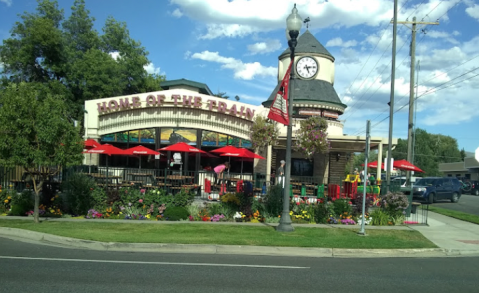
374, 165
405, 165
242, 153
106, 149
140, 151
226, 149
88, 145
182, 148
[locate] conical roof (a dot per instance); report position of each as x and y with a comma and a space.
309, 91
307, 43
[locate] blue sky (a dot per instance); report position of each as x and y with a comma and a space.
233, 47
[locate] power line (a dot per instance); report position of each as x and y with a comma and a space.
359, 132
427, 93
364, 64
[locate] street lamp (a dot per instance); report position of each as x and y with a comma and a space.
293, 25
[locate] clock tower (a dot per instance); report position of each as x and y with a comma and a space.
313, 89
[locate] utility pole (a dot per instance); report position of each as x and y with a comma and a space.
391, 98
411, 90
415, 107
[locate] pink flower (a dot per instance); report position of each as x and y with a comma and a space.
297, 203
140, 200
142, 190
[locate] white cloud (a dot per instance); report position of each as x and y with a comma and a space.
7, 2
241, 70
177, 13
151, 69
227, 30
265, 47
238, 18
442, 35
473, 11
338, 42
115, 55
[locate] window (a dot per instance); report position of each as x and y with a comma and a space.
301, 167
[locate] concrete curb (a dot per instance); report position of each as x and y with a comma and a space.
68, 242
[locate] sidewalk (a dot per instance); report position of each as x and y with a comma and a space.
453, 237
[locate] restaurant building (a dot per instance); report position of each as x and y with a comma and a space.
187, 111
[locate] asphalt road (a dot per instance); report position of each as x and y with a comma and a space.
41, 268
467, 204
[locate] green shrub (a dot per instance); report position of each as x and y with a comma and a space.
341, 206
395, 204
21, 203
380, 217
322, 212
183, 198
78, 193
273, 200
176, 213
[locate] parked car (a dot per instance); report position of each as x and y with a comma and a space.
471, 186
402, 180
431, 189
475, 188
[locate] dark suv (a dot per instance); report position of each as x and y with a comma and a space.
474, 187
432, 189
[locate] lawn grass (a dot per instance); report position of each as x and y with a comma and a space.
227, 234
455, 214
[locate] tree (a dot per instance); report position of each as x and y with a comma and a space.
36, 133
429, 151
85, 65
221, 95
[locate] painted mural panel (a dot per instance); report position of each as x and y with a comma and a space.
209, 138
222, 139
147, 136
175, 135
134, 136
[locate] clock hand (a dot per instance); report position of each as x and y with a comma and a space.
307, 67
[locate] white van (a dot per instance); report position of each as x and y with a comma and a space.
402, 179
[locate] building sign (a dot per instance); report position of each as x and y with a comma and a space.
309, 112
330, 114
178, 101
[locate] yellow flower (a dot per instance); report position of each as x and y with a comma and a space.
52, 199
6, 201
52, 211
9, 197
148, 216
120, 213
56, 196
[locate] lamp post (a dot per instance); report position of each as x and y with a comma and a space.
293, 25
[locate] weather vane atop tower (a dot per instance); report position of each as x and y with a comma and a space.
306, 20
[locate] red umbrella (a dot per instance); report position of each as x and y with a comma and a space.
243, 153
140, 151
226, 149
405, 165
106, 149
374, 165
181, 147
88, 145
91, 143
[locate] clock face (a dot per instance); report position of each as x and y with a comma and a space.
307, 67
